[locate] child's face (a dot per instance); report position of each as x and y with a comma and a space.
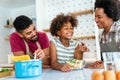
66, 31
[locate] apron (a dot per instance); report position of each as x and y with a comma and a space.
112, 41
110, 46
28, 51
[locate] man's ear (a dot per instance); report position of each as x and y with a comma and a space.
20, 34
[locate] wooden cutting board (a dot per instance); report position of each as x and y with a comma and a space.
4, 74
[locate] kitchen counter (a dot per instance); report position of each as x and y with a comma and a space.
49, 74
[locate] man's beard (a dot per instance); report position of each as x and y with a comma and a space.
34, 39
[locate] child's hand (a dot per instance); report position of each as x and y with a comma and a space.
81, 48
66, 68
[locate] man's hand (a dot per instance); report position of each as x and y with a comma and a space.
39, 54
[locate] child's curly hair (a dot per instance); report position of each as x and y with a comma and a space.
60, 20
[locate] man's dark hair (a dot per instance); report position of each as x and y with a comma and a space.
60, 20
22, 22
111, 8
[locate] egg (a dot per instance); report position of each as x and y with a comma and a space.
96, 75
99, 76
109, 75
117, 75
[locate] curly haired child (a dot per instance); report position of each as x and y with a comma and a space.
62, 47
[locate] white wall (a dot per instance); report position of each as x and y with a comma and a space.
29, 11
4, 44
41, 14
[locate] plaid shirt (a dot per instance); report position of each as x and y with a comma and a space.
114, 33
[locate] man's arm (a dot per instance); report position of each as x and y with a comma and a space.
19, 53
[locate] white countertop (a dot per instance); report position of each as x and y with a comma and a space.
6, 65
49, 74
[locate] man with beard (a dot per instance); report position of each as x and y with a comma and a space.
27, 40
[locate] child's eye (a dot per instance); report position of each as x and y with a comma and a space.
65, 28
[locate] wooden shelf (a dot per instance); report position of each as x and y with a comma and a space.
82, 12
46, 30
8, 26
7, 37
75, 38
84, 37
